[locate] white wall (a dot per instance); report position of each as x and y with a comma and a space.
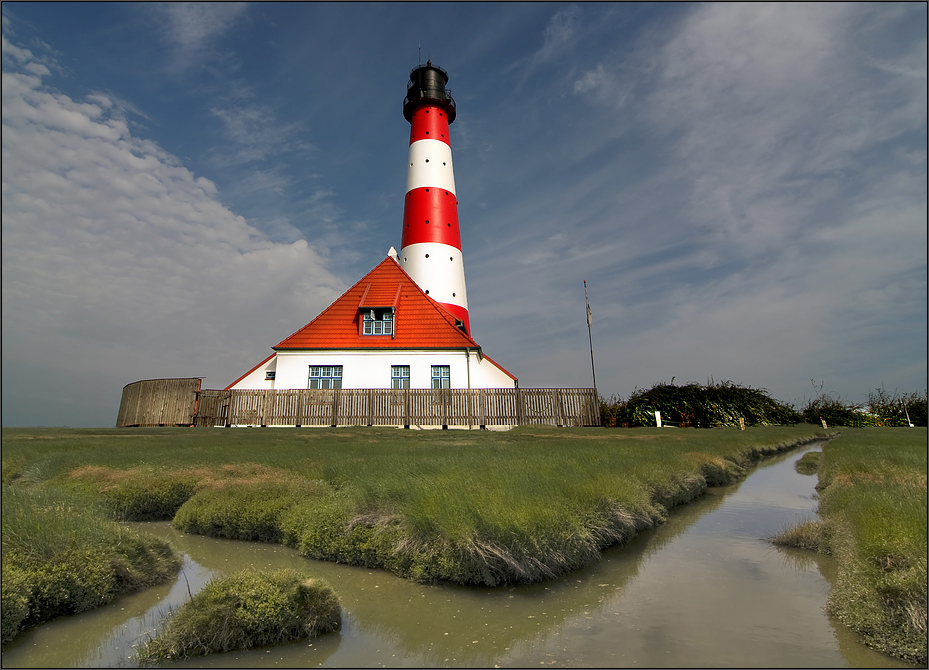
371, 369
256, 378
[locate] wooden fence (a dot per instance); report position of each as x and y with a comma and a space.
159, 402
368, 407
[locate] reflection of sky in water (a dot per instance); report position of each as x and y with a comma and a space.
703, 589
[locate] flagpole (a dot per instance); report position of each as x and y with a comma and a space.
590, 337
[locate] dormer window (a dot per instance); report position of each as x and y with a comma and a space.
378, 322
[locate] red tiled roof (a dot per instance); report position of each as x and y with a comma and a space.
419, 321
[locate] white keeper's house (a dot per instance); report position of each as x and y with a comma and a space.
383, 333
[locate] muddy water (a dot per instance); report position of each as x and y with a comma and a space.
704, 589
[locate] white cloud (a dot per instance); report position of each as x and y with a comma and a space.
751, 204
194, 25
120, 264
771, 102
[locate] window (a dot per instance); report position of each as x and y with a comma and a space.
378, 322
441, 377
269, 375
399, 376
325, 377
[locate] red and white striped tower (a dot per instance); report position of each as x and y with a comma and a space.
430, 250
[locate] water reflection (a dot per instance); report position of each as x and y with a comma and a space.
703, 589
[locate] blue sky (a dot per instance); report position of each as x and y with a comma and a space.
743, 186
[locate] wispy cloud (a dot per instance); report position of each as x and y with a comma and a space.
768, 114
255, 134
779, 198
559, 32
559, 35
116, 257
194, 28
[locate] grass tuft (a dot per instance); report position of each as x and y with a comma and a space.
246, 610
809, 463
807, 535
61, 555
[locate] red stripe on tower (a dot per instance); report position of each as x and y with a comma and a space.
431, 246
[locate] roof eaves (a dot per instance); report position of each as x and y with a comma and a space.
250, 371
500, 367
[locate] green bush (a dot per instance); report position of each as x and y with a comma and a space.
835, 412
891, 409
883, 409
246, 610
698, 406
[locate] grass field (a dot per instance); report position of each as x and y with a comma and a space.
463, 506
470, 507
872, 485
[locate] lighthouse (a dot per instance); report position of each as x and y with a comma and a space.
431, 244
403, 325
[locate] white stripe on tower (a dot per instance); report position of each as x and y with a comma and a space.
430, 251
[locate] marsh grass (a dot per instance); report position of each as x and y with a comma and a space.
809, 463
806, 535
61, 555
151, 493
246, 610
244, 510
469, 507
872, 484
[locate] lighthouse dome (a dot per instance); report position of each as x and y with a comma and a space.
427, 83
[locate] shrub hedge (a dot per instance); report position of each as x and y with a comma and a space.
698, 406
725, 403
